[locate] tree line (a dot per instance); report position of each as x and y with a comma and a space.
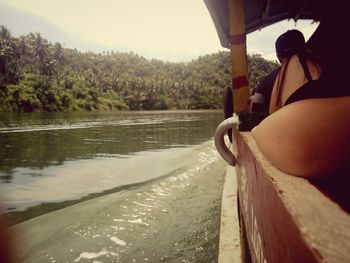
37, 75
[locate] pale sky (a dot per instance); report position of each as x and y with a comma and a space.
173, 30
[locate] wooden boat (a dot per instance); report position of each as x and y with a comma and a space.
283, 218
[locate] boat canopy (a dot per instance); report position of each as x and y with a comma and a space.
262, 13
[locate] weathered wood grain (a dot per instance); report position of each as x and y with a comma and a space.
287, 218
229, 245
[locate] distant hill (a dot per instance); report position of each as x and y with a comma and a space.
36, 75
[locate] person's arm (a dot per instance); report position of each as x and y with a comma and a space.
308, 138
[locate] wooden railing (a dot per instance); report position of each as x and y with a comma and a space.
287, 218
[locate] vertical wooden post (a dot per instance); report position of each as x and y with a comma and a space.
240, 82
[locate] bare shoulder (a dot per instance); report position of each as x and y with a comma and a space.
307, 138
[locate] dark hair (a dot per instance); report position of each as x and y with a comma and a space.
290, 43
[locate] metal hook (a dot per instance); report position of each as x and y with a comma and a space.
220, 142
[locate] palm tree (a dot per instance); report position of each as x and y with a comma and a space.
7, 57
41, 53
58, 56
22, 54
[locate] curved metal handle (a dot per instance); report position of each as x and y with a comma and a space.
220, 142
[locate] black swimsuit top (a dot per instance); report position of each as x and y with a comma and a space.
327, 86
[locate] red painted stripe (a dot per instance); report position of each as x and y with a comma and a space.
238, 39
240, 82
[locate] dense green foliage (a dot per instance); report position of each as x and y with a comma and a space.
36, 75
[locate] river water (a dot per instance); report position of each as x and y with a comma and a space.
124, 186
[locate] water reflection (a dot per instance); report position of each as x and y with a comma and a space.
40, 140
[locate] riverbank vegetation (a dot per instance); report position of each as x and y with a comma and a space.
36, 75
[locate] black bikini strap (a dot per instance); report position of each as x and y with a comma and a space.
306, 69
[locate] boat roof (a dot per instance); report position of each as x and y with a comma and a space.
262, 13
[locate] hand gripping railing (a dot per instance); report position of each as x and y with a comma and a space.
220, 141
